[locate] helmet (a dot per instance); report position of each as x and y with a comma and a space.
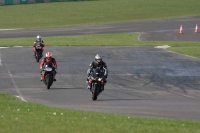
98, 58
39, 37
48, 55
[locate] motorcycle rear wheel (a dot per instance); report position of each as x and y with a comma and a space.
37, 59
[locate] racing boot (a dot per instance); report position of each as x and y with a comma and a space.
54, 79
90, 86
102, 86
42, 77
34, 52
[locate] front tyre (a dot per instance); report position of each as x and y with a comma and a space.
48, 81
37, 57
95, 92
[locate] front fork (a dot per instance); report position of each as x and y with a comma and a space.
90, 85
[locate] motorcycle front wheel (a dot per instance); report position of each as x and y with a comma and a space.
37, 57
48, 81
95, 92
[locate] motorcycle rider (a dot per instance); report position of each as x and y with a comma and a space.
38, 41
98, 63
50, 59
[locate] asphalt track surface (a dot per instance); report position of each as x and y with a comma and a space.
142, 81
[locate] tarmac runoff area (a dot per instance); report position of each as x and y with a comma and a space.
142, 81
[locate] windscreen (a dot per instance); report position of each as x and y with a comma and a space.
48, 64
97, 73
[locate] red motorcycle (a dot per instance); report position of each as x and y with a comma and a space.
97, 81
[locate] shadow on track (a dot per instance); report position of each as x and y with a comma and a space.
136, 99
65, 88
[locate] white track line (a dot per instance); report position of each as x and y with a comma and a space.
10, 29
139, 36
12, 80
0, 61
3, 47
163, 46
18, 46
21, 98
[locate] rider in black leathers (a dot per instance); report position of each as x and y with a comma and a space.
100, 64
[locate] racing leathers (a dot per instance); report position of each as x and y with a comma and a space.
50, 60
102, 65
36, 44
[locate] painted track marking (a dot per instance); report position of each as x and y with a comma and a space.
21, 98
0, 61
12, 79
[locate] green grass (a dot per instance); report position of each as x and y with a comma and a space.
118, 39
192, 51
17, 116
94, 12
22, 117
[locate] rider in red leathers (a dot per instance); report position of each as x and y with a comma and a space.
50, 59
37, 42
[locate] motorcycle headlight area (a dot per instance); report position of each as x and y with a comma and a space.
99, 79
48, 69
38, 47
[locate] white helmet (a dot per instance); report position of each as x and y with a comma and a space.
98, 58
39, 37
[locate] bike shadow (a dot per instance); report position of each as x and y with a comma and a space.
64, 88
123, 99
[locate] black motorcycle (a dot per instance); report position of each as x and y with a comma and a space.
38, 54
97, 76
48, 74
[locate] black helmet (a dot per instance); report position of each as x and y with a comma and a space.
98, 58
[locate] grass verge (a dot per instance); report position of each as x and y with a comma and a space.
192, 51
17, 116
118, 39
93, 12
